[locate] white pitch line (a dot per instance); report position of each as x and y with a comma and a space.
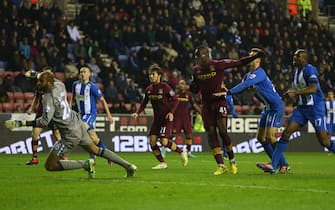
259, 187
229, 185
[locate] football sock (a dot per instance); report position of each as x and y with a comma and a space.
332, 146
173, 146
229, 150
108, 154
157, 152
72, 164
278, 152
282, 161
188, 144
34, 146
218, 155
267, 148
100, 144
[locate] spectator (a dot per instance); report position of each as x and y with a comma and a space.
71, 74
3, 93
111, 93
132, 94
95, 69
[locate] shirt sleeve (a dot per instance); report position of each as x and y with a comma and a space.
250, 80
173, 97
311, 74
227, 63
48, 111
143, 103
96, 91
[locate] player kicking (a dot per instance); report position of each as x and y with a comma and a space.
72, 129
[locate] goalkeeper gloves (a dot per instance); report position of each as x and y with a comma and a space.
11, 124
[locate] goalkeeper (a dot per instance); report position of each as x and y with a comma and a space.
31, 74
72, 129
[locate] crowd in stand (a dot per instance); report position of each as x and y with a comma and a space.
135, 34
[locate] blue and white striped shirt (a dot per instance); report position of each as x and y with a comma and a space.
302, 77
86, 96
330, 106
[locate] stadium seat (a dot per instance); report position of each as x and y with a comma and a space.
100, 108
101, 86
15, 73
137, 105
127, 106
238, 109
11, 96
19, 107
2, 74
10, 73
19, 97
26, 106
60, 76
29, 96
8, 107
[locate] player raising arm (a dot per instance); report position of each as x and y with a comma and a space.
272, 115
208, 78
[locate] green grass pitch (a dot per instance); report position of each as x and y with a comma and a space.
309, 185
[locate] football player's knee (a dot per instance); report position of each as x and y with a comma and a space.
286, 135
50, 166
272, 139
35, 136
217, 150
164, 141
153, 140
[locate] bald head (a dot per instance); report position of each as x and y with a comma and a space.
45, 81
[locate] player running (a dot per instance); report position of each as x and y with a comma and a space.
310, 107
85, 95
